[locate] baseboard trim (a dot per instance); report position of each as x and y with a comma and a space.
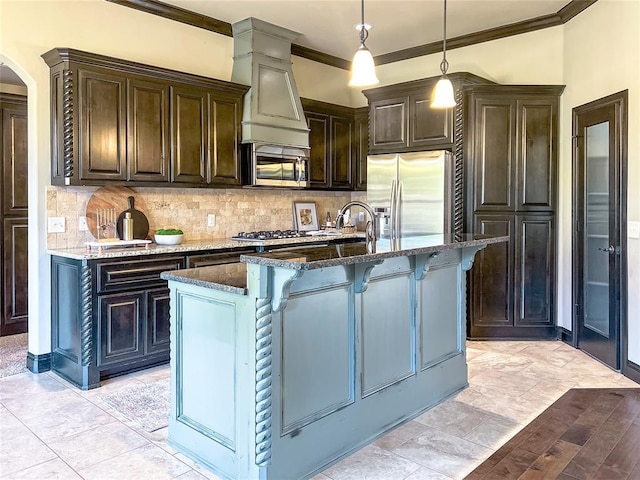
632, 371
565, 335
38, 363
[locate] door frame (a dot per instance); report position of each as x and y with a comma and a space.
620, 101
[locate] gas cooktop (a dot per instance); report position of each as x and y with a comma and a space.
269, 235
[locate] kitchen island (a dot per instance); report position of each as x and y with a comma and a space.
288, 361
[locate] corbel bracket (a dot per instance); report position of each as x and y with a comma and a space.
282, 280
362, 274
423, 263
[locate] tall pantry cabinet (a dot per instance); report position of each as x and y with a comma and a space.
511, 157
14, 311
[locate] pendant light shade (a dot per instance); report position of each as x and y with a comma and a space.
363, 68
443, 95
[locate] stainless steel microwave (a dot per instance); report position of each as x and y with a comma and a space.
279, 166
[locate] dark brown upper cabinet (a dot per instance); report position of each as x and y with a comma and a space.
402, 120
510, 147
332, 138
120, 122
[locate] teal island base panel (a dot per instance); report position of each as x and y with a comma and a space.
282, 378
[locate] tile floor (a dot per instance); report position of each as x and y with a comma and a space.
49, 429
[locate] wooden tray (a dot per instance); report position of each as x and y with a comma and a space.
110, 197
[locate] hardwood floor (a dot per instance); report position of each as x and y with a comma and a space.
586, 434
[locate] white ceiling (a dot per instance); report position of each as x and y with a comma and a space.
329, 25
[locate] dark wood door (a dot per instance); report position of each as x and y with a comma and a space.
224, 139
341, 142
600, 212
14, 295
148, 149
157, 321
121, 323
361, 147
189, 134
15, 276
319, 126
103, 121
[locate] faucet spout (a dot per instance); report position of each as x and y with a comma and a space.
370, 230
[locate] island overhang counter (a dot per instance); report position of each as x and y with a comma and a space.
289, 361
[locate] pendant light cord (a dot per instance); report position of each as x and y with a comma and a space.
364, 34
444, 65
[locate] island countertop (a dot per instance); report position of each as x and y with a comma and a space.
348, 254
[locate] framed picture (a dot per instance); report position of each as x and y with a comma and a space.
305, 216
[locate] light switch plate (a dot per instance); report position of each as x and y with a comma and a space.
211, 220
633, 229
56, 224
82, 224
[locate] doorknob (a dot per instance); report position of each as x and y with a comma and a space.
609, 249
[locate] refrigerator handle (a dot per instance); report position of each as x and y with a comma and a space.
393, 209
398, 220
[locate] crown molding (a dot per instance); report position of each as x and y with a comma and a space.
177, 14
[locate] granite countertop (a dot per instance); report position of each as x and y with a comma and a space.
191, 246
231, 277
347, 254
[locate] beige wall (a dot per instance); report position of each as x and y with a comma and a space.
595, 54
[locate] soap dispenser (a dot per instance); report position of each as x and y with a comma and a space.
127, 227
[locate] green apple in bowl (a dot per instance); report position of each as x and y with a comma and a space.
169, 236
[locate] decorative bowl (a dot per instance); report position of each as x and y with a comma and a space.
168, 239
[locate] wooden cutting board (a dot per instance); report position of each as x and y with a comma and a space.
109, 198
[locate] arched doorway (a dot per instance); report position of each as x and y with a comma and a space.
14, 296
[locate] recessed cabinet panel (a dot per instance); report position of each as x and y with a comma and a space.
158, 316
440, 328
341, 153
319, 154
430, 127
494, 155
537, 186
102, 125
388, 119
317, 357
121, 327
492, 273
189, 135
387, 333
148, 130
224, 127
14, 159
361, 145
535, 270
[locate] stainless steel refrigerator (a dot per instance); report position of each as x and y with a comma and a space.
410, 193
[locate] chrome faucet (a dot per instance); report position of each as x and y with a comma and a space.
370, 229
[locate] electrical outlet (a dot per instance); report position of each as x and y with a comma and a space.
211, 220
361, 216
633, 229
82, 224
56, 225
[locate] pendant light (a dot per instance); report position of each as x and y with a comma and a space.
363, 69
443, 96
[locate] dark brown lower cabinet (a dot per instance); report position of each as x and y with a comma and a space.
512, 283
109, 317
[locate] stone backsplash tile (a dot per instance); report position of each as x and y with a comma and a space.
236, 210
